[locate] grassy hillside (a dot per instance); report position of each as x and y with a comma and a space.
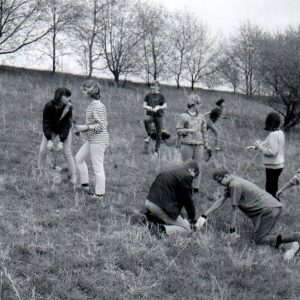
56, 243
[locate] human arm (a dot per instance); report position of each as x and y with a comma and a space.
66, 124
47, 113
182, 126
295, 180
218, 203
98, 121
147, 107
204, 134
160, 107
269, 147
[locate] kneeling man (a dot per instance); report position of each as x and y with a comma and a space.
169, 193
260, 206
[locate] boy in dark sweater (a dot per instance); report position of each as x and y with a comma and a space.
169, 193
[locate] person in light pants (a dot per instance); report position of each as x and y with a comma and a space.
98, 140
57, 121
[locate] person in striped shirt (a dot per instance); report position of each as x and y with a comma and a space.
97, 140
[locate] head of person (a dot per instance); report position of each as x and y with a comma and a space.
272, 121
222, 176
155, 87
92, 89
192, 167
194, 101
220, 102
62, 96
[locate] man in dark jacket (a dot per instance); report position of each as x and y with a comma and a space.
169, 193
57, 121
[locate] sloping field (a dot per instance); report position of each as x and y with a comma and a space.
57, 243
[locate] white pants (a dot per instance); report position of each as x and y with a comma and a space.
173, 227
42, 159
96, 153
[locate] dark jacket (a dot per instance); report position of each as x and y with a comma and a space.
172, 190
52, 122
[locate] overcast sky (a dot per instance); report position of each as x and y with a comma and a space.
225, 15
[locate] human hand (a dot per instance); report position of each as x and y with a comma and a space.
50, 146
279, 192
233, 235
250, 148
60, 146
156, 109
257, 144
200, 222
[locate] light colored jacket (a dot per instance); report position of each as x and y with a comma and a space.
272, 149
197, 123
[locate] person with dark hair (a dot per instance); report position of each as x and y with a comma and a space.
98, 139
213, 117
272, 149
261, 207
191, 127
57, 121
154, 106
169, 193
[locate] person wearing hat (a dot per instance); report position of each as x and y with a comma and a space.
260, 206
169, 193
57, 121
213, 117
154, 106
272, 149
191, 127
97, 140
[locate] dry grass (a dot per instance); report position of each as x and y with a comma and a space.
58, 244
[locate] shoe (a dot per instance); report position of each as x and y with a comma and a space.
85, 188
217, 149
147, 139
157, 230
156, 154
195, 190
290, 254
97, 197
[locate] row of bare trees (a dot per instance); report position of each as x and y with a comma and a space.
138, 38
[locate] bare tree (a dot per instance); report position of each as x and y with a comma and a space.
181, 28
87, 30
243, 53
279, 66
155, 48
20, 24
59, 15
201, 58
228, 70
120, 38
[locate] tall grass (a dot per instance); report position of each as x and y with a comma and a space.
57, 243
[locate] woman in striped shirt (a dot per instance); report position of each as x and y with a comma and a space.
98, 140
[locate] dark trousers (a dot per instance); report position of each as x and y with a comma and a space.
158, 123
272, 176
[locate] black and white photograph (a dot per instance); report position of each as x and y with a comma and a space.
150, 149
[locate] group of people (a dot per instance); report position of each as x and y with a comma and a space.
58, 122
174, 189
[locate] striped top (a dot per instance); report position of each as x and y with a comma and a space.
97, 123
